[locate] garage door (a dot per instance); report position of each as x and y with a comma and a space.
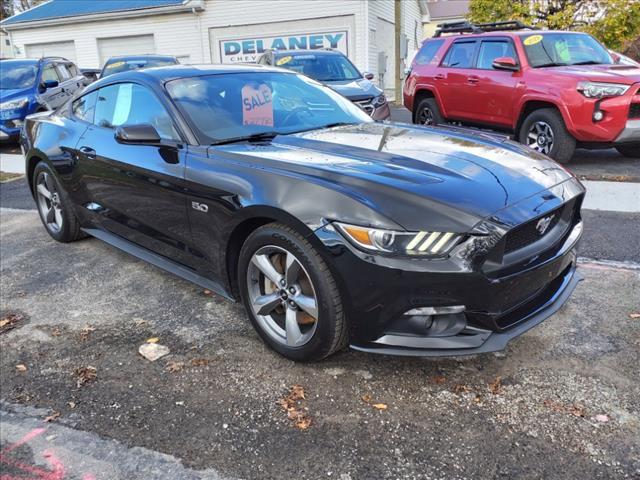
55, 49
115, 46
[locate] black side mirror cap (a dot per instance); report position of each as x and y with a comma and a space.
47, 84
142, 134
368, 75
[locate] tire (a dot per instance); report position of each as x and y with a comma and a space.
311, 338
547, 124
428, 108
629, 151
56, 212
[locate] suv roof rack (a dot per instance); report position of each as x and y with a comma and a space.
54, 58
468, 27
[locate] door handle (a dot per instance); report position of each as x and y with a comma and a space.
473, 79
88, 152
439, 76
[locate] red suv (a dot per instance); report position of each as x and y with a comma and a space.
553, 90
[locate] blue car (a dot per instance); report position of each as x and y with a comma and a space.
34, 85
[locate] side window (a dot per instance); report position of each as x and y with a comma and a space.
492, 49
428, 51
63, 72
84, 107
132, 104
460, 55
49, 73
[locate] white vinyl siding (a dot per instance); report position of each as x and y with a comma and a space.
52, 49
131, 45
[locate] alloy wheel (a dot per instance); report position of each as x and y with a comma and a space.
540, 137
49, 202
425, 117
282, 296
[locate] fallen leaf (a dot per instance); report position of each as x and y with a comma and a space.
459, 389
56, 332
495, 387
53, 417
634, 315
173, 367
291, 404
21, 367
303, 423
85, 332
380, 406
85, 375
152, 340
140, 322
10, 321
199, 362
71, 404
366, 398
601, 418
208, 292
575, 410
438, 379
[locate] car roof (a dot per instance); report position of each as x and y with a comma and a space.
295, 53
173, 72
139, 57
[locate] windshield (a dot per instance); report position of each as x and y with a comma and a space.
554, 49
235, 106
324, 68
17, 75
124, 65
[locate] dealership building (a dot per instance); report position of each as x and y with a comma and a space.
214, 31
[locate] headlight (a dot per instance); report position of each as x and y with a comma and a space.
379, 100
14, 104
601, 90
403, 243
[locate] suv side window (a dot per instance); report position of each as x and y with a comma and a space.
132, 104
49, 73
428, 51
63, 72
492, 49
84, 107
461, 54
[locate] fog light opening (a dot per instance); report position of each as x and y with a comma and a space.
598, 115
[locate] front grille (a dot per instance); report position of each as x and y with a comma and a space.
529, 232
365, 105
634, 110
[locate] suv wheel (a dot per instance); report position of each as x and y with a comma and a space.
630, 151
54, 206
428, 113
290, 294
544, 131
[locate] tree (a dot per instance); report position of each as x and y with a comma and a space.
22, 5
615, 23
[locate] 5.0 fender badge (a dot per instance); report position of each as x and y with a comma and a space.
201, 207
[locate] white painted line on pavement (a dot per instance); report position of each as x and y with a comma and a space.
11, 163
612, 196
608, 264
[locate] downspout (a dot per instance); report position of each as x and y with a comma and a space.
199, 25
367, 66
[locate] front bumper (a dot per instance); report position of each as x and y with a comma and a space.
501, 301
631, 133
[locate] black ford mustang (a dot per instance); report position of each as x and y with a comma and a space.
265, 186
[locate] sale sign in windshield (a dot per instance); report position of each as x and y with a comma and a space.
248, 49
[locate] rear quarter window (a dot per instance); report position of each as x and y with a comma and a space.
461, 54
428, 51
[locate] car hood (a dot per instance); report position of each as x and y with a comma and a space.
627, 74
6, 95
454, 177
355, 89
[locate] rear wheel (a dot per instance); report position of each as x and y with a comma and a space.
428, 113
630, 151
290, 294
54, 206
544, 131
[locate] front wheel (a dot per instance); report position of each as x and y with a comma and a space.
428, 113
544, 131
629, 151
290, 294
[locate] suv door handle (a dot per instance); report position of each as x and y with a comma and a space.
88, 152
473, 79
439, 76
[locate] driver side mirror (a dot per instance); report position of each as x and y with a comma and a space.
47, 84
143, 134
368, 75
615, 57
506, 63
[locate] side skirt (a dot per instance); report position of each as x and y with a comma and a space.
159, 261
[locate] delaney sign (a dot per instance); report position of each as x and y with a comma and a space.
248, 49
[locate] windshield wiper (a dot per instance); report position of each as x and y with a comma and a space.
255, 137
552, 64
587, 62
